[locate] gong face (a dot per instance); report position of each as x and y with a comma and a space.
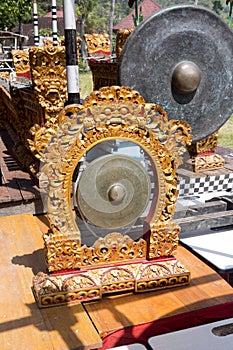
113, 191
181, 58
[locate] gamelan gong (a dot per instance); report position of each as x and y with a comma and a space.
181, 58
113, 191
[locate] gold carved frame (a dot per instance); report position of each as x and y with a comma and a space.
111, 113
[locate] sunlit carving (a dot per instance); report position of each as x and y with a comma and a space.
21, 63
204, 156
122, 36
98, 46
48, 70
108, 114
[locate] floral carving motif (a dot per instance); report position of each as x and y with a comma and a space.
90, 285
203, 156
208, 144
163, 240
97, 44
48, 70
113, 247
122, 36
21, 61
110, 113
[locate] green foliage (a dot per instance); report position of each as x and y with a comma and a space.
98, 20
140, 17
83, 8
83, 66
45, 6
167, 3
219, 6
86, 83
94, 13
46, 31
121, 10
225, 137
98, 17
14, 12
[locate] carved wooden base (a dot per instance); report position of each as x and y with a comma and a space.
203, 156
84, 285
211, 161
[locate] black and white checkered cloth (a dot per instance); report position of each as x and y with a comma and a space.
198, 185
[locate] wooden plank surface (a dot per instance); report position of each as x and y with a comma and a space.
23, 326
206, 289
18, 192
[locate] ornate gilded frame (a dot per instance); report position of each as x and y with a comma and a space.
111, 113
79, 129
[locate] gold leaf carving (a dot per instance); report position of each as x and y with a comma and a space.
163, 240
110, 113
21, 61
114, 247
97, 43
48, 69
122, 36
208, 144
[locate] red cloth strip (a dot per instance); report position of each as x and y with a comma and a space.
141, 333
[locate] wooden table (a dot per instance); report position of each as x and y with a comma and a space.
134, 318
25, 327
22, 325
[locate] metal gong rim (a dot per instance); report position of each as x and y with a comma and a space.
182, 34
113, 191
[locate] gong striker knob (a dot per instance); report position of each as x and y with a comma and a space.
116, 192
186, 77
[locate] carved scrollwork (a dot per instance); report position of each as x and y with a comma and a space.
57, 290
62, 253
48, 70
113, 247
208, 144
40, 137
204, 162
163, 240
21, 62
122, 36
161, 275
159, 269
111, 113
97, 44
113, 93
203, 156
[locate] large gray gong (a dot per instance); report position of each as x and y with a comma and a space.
182, 59
113, 191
